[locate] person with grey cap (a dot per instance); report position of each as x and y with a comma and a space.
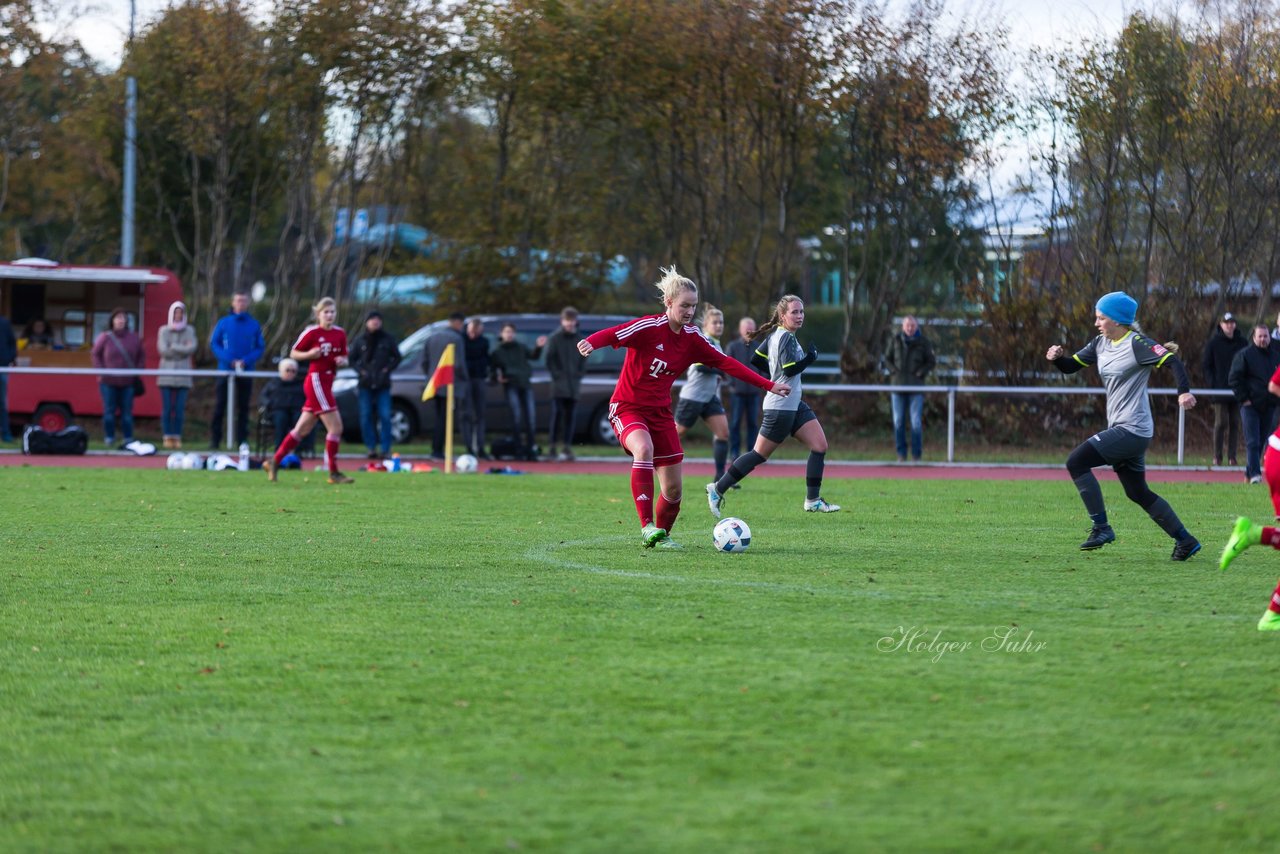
567, 368
1227, 340
432, 350
375, 355
1125, 358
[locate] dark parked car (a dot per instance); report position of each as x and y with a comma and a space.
411, 417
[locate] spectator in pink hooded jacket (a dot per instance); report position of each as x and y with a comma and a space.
118, 347
175, 342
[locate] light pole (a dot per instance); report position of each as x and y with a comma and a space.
130, 154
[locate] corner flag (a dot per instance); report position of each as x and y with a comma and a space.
443, 375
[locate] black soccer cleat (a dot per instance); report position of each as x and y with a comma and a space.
1098, 538
1184, 549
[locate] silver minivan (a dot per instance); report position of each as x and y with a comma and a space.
411, 417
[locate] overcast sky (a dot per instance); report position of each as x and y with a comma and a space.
104, 27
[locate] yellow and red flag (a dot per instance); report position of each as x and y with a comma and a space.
443, 375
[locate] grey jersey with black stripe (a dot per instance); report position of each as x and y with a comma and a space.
702, 382
1125, 367
783, 350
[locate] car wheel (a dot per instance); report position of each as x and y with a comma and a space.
404, 423
52, 417
601, 430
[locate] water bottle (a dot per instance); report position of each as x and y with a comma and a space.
243, 463
395, 462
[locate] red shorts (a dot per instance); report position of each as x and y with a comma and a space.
319, 391
1271, 471
658, 422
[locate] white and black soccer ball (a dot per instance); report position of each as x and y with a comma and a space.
731, 535
466, 463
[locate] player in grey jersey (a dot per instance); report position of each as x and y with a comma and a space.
1125, 359
780, 353
700, 394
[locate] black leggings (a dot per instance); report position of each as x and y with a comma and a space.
1086, 457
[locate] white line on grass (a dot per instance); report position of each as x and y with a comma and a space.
544, 553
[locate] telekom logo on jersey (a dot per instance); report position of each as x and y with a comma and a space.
657, 368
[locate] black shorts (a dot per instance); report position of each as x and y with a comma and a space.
1121, 448
778, 424
689, 411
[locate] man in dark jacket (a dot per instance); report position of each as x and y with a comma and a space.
513, 368
8, 355
910, 359
476, 355
566, 366
1251, 371
374, 356
1227, 340
434, 348
744, 398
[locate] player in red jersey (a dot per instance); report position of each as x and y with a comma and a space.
1247, 534
324, 345
660, 348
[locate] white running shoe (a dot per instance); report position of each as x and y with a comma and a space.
714, 500
819, 505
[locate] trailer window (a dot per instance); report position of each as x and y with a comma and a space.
75, 320
73, 327
102, 319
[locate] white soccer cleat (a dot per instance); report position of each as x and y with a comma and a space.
714, 500
819, 505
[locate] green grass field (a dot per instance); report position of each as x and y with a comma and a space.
202, 662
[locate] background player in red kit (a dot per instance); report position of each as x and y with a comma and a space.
1246, 533
324, 345
660, 348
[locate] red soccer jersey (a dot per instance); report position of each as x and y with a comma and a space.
332, 343
657, 357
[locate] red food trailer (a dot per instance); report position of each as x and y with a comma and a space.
76, 303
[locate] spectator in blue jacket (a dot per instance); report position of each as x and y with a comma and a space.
237, 344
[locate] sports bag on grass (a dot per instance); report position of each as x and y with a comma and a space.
69, 440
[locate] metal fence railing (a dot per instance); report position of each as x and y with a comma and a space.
952, 392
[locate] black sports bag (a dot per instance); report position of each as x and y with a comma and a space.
69, 440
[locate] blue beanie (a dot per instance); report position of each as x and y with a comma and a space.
1118, 306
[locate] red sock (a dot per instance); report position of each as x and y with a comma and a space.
331, 453
1271, 536
1275, 601
642, 490
287, 444
667, 511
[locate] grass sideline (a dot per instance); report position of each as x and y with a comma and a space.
199, 661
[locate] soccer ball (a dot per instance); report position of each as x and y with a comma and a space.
466, 463
731, 535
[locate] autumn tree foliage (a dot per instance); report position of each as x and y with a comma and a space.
1164, 184
756, 144
56, 169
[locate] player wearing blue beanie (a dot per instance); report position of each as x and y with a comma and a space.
1119, 306
1125, 360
